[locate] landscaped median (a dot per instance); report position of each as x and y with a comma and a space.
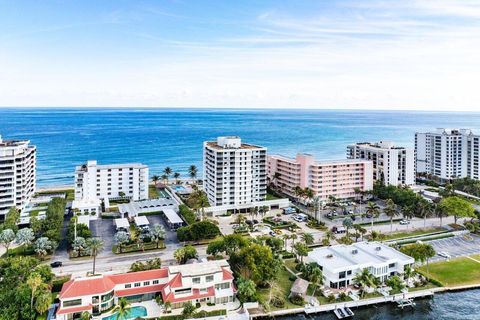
464, 271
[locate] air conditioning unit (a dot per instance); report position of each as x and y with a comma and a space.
378, 248
355, 251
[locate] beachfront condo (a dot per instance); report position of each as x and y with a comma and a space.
17, 174
340, 263
391, 164
204, 282
448, 153
234, 173
331, 178
94, 183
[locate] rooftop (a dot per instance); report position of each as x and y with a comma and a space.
93, 163
13, 143
380, 145
201, 268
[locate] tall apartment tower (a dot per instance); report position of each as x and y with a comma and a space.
448, 153
95, 182
391, 164
234, 173
17, 174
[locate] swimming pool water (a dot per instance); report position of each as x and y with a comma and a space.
179, 188
134, 312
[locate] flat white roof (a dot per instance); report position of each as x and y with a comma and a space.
141, 221
359, 255
172, 216
122, 223
201, 268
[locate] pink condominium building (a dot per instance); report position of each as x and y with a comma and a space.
337, 178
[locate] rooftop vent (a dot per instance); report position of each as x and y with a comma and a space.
329, 256
354, 251
378, 248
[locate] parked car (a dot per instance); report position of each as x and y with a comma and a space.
444, 255
350, 211
272, 233
255, 221
339, 230
404, 221
249, 222
56, 264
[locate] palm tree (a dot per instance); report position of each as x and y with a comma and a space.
123, 309
85, 315
298, 192
308, 238
365, 279
293, 236
167, 172
285, 240
34, 282
309, 194
391, 211
253, 212
164, 178
316, 207
176, 176
192, 171
407, 212
94, 245
155, 179
275, 177
373, 210
424, 209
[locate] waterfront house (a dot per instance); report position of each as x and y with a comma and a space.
205, 282
340, 263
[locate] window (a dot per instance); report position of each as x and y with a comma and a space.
155, 282
137, 284
128, 285
391, 265
146, 283
224, 285
180, 291
341, 275
196, 280
70, 303
209, 278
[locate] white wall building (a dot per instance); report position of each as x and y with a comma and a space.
448, 153
95, 182
234, 173
394, 165
340, 263
17, 174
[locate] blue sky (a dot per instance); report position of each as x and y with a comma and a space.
407, 54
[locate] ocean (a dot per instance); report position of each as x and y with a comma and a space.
66, 137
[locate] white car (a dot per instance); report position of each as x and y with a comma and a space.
444, 255
404, 222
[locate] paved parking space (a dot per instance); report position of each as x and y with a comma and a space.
456, 246
105, 229
171, 236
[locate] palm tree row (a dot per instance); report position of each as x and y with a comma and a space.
168, 172
303, 193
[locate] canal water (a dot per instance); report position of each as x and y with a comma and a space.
461, 305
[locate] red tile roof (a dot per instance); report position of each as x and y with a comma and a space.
139, 290
176, 281
86, 287
195, 295
139, 276
74, 309
227, 275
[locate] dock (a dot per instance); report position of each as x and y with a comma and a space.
405, 303
343, 313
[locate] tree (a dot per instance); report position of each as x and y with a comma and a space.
11, 219
407, 212
94, 245
308, 238
155, 179
301, 250
457, 207
365, 279
43, 301
359, 231
7, 236
147, 265
395, 283
347, 223
164, 178
198, 231
424, 210
85, 315
157, 233
33, 282
192, 172
247, 290
298, 191
313, 273
176, 176
121, 238
25, 237
285, 240
373, 210
167, 172
80, 229
421, 252
391, 211
316, 207
183, 254
44, 246
79, 246
123, 309
188, 309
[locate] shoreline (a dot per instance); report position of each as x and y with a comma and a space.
364, 303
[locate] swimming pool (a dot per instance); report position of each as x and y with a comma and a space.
137, 311
179, 188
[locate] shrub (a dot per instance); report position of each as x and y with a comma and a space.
297, 300
187, 214
198, 231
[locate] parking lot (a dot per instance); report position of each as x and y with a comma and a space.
456, 246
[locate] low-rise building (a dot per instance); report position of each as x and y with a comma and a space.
338, 178
391, 164
205, 282
340, 263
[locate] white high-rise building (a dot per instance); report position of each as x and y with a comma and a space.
448, 153
391, 164
95, 182
17, 174
234, 173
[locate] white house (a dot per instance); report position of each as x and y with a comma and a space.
340, 263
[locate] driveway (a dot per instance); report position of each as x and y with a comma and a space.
104, 229
171, 236
458, 246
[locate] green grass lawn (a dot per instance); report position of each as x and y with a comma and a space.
455, 272
271, 196
412, 233
153, 192
284, 283
291, 264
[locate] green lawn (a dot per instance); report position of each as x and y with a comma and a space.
455, 272
412, 233
271, 196
291, 264
153, 192
284, 283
